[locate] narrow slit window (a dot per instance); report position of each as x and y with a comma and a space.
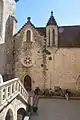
53, 35
49, 37
28, 36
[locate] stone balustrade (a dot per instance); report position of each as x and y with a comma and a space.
10, 89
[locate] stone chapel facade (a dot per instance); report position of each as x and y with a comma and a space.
42, 57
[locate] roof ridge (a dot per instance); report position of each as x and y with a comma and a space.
70, 26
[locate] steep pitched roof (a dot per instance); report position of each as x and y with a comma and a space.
16, 0
69, 36
42, 31
51, 20
27, 23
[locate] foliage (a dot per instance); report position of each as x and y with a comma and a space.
37, 91
35, 109
56, 92
45, 92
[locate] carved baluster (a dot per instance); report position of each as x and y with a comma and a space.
21, 91
24, 93
11, 90
8, 91
16, 86
19, 87
4, 93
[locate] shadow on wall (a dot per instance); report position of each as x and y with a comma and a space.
9, 28
21, 113
7, 77
9, 115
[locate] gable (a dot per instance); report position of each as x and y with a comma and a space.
27, 25
68, 36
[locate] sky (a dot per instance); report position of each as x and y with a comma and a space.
66, 12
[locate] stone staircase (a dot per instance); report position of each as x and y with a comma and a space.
15, 100
9, 90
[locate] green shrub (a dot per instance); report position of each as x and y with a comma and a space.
51, 93
45, 92
57, 88
37, 91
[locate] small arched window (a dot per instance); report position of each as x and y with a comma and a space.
53, 37
28, 35
49, 38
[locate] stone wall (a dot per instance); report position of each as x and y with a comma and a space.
8, 9
14, 106
63, 68
51, 66
34, 50
6, 45
6, 53
7, 60
67, 69
2, 58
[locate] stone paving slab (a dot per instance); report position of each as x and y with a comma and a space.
58, 109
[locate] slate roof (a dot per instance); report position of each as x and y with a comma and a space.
16, 0
42, 31
69, 36
51, 20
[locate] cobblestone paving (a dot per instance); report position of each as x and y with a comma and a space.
55, 109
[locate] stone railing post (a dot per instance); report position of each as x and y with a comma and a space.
6, 92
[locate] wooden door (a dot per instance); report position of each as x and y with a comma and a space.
27, 82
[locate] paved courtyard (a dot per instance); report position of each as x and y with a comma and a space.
55, 109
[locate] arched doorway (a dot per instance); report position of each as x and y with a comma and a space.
27, 82
9, 115
21, 113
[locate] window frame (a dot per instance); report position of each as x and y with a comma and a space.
31, 35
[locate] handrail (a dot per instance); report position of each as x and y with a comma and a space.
8, 82
10, 89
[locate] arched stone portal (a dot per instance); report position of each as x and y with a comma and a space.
27, 82
9, 115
